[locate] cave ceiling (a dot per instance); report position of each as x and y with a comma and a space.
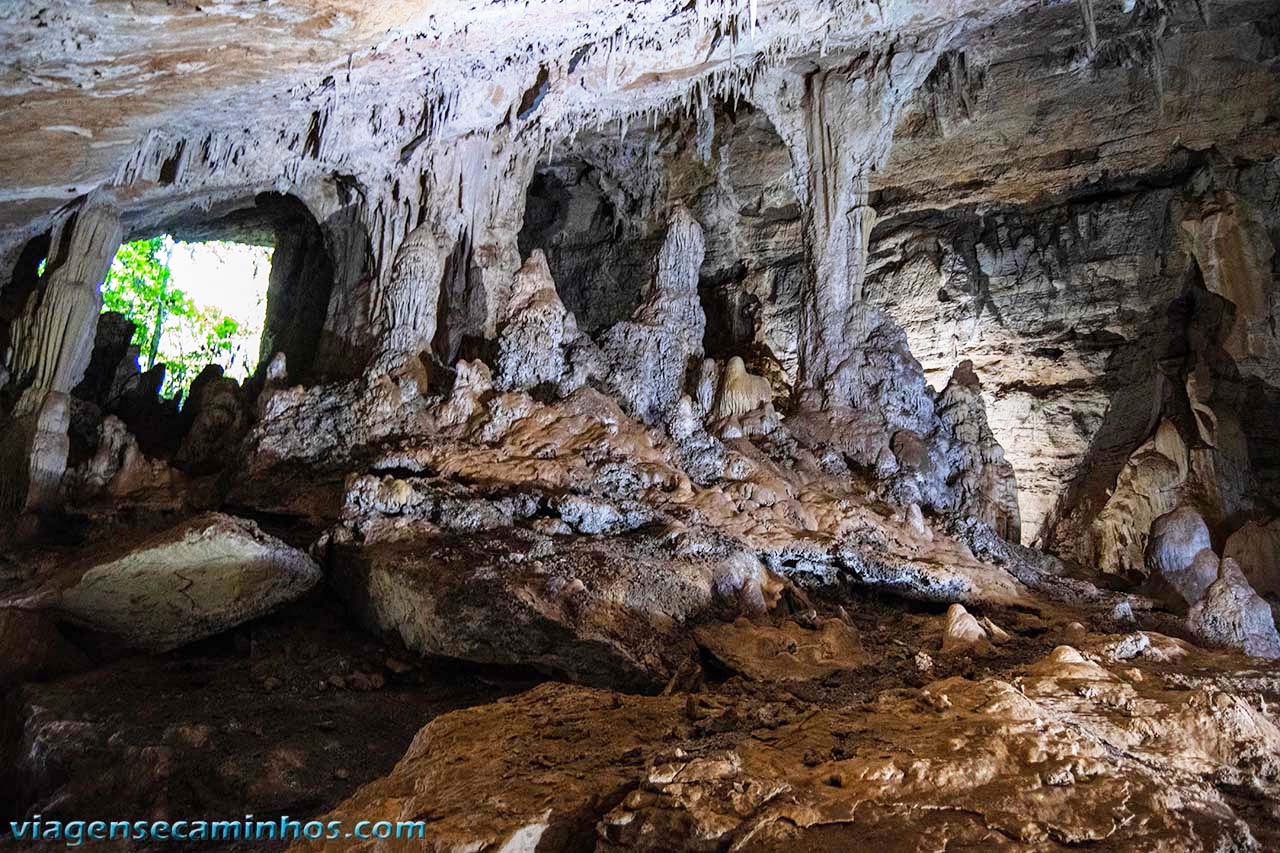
84, 84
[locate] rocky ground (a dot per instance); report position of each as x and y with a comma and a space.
1034, 726
287, 714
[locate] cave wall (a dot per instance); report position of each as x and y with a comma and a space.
1030, 219
1068, 312
1033, 221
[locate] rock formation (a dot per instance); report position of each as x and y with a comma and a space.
963, 633
676, 426
651, 354
406, 318
540, 343
740, 392
1231, 614
198, 579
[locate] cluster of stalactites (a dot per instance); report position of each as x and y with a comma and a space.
384, 147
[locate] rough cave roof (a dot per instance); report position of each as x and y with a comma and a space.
358, 87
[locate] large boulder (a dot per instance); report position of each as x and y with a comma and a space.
197, 579
1175, 553
1056, 759
1231, 614
604, 612
530, 772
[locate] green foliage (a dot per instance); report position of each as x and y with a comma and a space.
168, 326
139, 287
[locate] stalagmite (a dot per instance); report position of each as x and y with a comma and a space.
534, 341
49, 448
651, 354
740, 392
408, 303
986, 482
961, 633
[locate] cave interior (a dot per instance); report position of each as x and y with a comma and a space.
676, 426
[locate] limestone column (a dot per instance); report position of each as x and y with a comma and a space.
838, 122
406, 306
50, 345
495, 255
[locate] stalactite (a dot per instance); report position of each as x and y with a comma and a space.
53, 339
1090, 24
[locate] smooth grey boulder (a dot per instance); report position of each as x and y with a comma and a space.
197, 579
1174, 553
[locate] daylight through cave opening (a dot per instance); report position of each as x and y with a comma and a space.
191, 305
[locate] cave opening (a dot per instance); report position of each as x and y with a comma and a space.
191, 304
197, 305
270, 263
